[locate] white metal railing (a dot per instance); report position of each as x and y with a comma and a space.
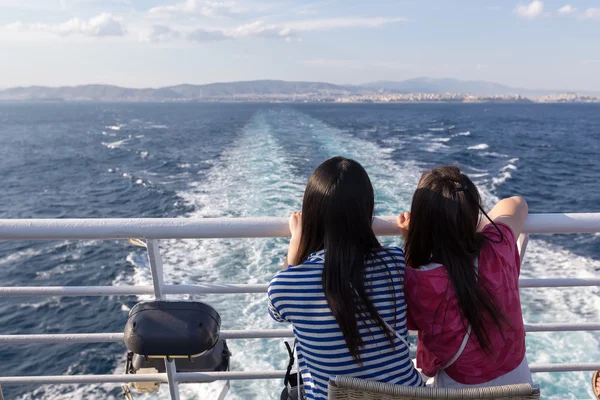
169, 228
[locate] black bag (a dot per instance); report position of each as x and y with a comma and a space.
291, 380
172, 329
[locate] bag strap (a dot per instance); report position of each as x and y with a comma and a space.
468, 334
460, 349
290, 350
398, 335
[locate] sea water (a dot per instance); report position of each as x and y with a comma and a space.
244, 160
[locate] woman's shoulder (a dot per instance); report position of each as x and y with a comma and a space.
500, 251
391, 251
500, 240
499, 232
386, 256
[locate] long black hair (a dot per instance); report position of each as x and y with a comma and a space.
443, 229
337, 213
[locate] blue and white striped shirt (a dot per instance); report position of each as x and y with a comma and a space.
296, 295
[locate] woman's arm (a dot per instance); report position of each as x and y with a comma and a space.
511, 211
296, 230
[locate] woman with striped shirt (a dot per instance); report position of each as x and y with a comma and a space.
340, 289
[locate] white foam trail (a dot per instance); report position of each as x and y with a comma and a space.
115, 145
79, 392
394, 183
507, 167
505, 173
501, 179
466, 133
25, 254
22, 255
251, 178
436, 129
443, 140
481, 146
435, 147
493, 154
114, 127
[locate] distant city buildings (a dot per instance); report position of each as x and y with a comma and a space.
326, 97
465, 98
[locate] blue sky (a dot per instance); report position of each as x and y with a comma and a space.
148, 43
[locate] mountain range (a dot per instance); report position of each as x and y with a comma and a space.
260, 89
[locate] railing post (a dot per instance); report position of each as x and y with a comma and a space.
158, 281
157, 268
522, 244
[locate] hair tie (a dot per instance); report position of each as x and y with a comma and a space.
460, 189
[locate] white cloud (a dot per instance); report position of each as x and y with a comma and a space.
205, 8
259, 29
592, 13
286, 31
102, 25
530, 11
342, 22
158, 33
567, 9
202, 35
255, 29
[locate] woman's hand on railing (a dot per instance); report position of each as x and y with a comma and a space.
296, 231
403, 221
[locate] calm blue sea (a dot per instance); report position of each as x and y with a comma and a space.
210, 160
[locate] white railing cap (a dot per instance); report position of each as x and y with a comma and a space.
204, 228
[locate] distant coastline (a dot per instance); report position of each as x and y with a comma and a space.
420, 90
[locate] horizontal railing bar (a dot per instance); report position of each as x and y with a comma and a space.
67, 291
131, 290
563, 327
227, 375
245, 334
204, 228
56, 338
565, 367
70, 379
125, 378
557, 282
